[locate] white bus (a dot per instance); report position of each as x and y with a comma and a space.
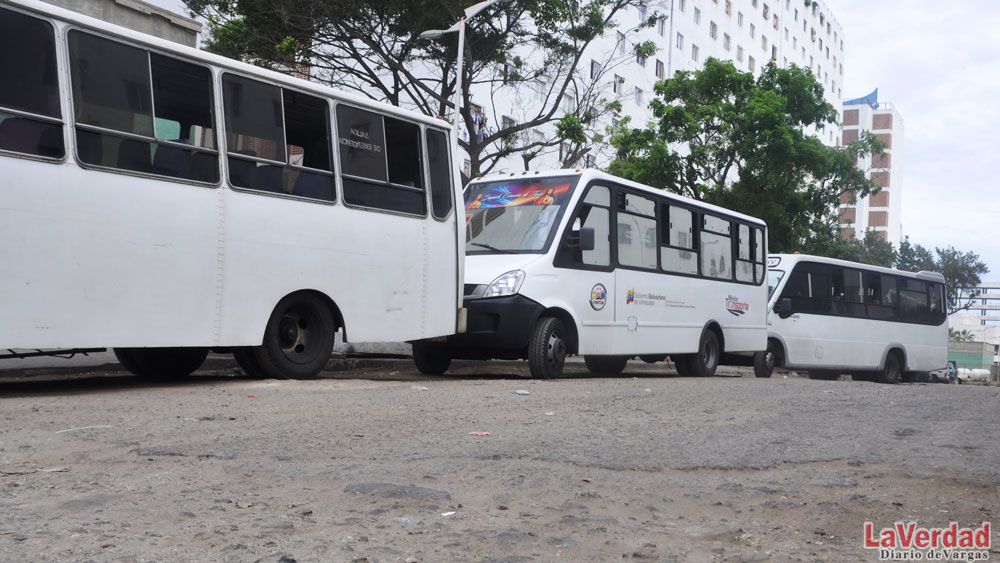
163, 201
581, 262
830, 317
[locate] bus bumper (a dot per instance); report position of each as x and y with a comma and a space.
495, 324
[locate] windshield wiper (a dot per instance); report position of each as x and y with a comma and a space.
491, 247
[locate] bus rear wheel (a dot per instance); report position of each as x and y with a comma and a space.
763, 362
890, 372
605, 365
430, 359
681, 364
161, 363
298, 338
706, 360
547, 348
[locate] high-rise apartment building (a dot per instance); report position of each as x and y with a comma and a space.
879, 212
749, 33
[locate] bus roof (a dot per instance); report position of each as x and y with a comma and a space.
588, 174
790, 259
43, 9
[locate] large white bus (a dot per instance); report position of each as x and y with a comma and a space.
581, 262
830, 317
163, 201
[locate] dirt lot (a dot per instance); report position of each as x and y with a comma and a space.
373, 462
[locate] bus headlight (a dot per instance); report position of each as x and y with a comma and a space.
506, 284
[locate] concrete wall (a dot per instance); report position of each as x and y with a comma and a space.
139, 16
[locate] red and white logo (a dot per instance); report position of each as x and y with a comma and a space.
909, 542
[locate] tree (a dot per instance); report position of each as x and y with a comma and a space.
913, 257
961, 272
372, 47
963, 335
725, 137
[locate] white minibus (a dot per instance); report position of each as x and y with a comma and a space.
165, 201
830, 317
581, 262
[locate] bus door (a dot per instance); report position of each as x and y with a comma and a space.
640, 300
590, 286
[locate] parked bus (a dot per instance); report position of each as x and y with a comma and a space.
830, 317
581, 262
164, 201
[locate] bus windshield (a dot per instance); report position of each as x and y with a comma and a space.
773, 279
516, 215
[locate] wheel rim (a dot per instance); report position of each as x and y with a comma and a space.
769, 360
296, 336
555, 351
708, 354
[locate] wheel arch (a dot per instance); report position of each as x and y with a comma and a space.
900, 351
714, 326
779, 350
338, 316
572, 331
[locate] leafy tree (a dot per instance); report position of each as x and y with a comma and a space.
961, 272
963, 335
913, 257
372, 47
723, 136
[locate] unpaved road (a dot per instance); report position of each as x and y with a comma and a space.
373, 462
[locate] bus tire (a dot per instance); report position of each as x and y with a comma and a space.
298, 338
704, 362
430, 359
245, 359
891, 372
161, 363
605, 365
763, 362
681, 364
547, 348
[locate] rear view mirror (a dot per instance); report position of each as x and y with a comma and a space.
783, 308
582, 239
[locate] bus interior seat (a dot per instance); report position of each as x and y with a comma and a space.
241, 171
313, 185
172, 161
30, 136
268, 178
134, 155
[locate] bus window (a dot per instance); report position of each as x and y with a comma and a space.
115, 88
809, 288
440, 169
759, 257
636, 231
938, 313
913, 303
678, 254
29, 89
716, 248
380, 161
880, 294
846, 298
309, 171
744, 264
595, 214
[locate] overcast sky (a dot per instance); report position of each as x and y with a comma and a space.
938, 63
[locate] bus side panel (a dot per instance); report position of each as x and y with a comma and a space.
372, 265
89, 255
927, 347
587, 295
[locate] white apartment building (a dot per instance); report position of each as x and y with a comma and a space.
879, 212
748, 33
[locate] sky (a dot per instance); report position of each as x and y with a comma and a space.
938, 63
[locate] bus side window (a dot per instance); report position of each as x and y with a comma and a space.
594, 213
677, 252
440, 173
29, 87
938, 313
716, 248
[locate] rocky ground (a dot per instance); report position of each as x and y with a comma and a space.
373, 462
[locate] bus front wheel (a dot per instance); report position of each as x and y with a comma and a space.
161, 363
890, 372
298, 338
547, 348
605, 365
706, 360
430, 359
763, 362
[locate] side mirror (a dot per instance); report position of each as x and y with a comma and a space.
783, 307
582, 239
587, 238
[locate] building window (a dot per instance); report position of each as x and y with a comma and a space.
763, 43
753, 3
750, 64
795, 43
729, 7
796, 14
713, 30
659, 69
827, 52
739, 19
641, 59
697, 16
642, 14
661, 27
726, 42
774, 21
638, 96
621, 42
680, 41
681, 4
595, 69
694, 52
767, 12
739, 53
618, 86
821, 45
753, 31
774, 52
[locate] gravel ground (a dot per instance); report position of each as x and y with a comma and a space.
374, 462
